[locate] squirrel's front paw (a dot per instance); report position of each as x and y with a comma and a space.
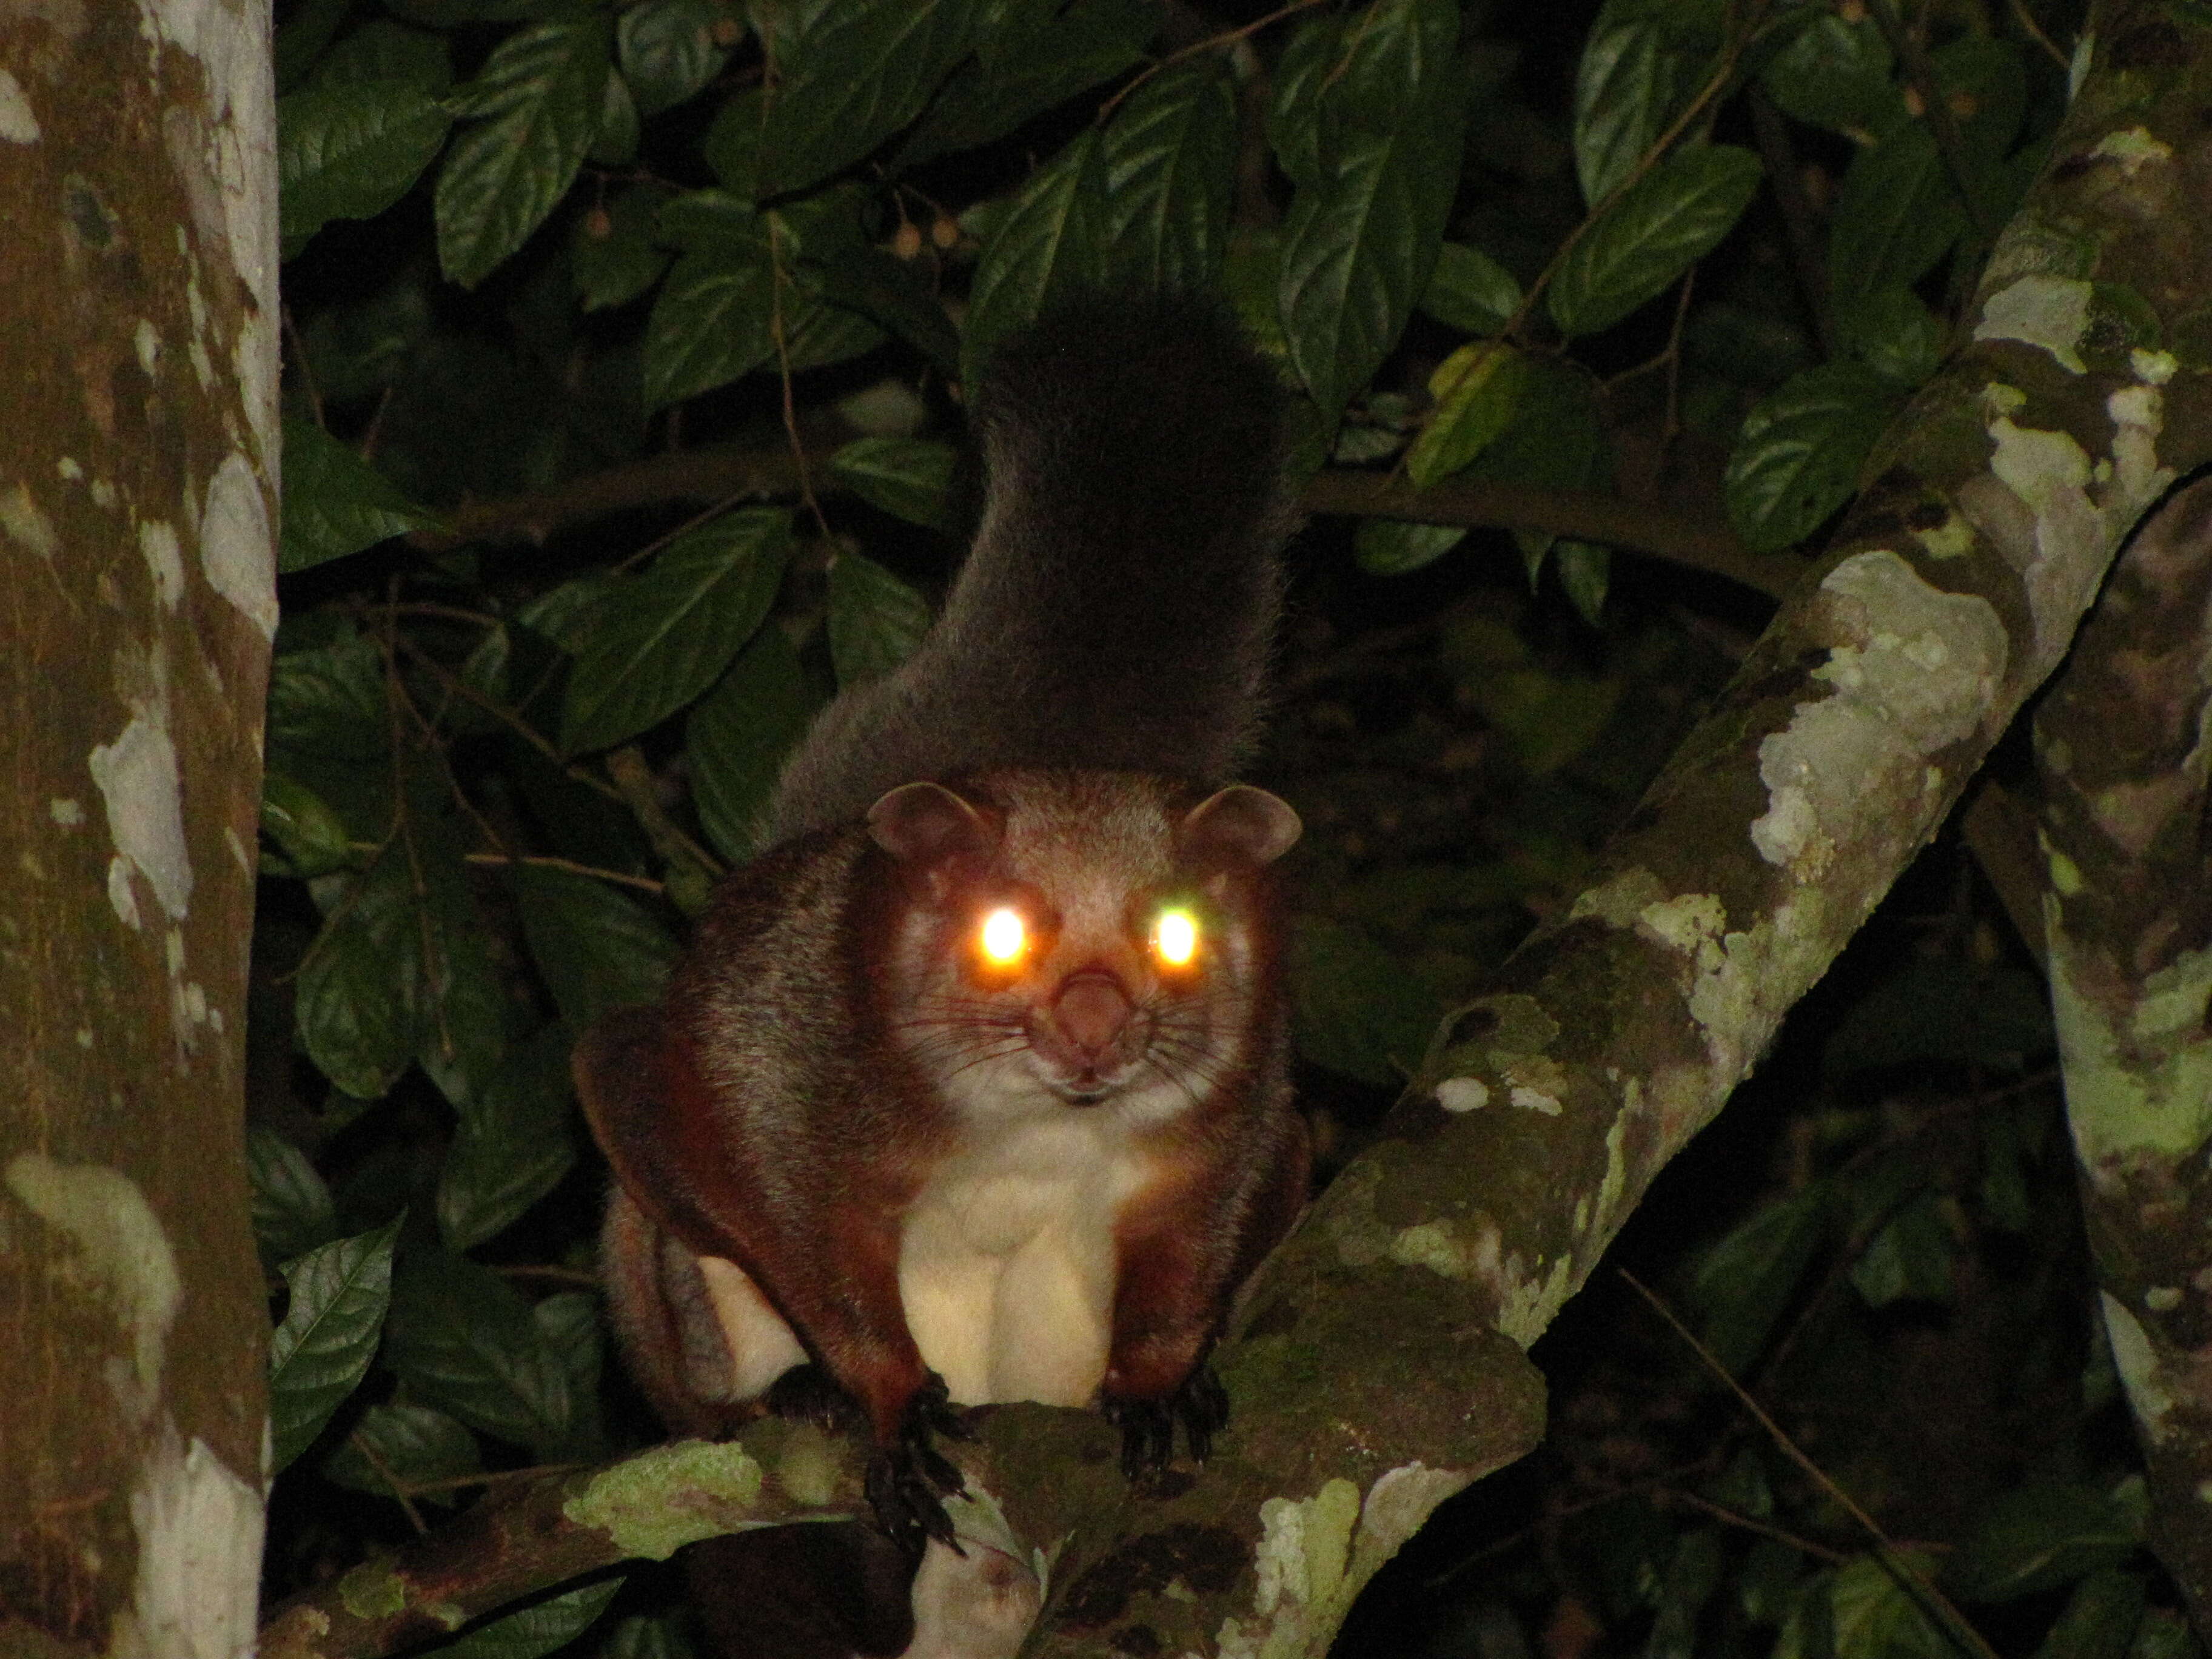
908, 1481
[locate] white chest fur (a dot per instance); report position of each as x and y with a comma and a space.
1006, 1263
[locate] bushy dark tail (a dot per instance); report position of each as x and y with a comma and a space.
1119, 606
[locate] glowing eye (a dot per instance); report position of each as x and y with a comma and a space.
1175, 937
1003, 937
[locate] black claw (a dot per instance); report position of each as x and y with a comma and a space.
907, 1482
1148, 1426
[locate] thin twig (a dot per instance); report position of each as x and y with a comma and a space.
2026, 18
1920, 75
522, 728
1885, 1550
1720, 1512
777, 281
385, 1472
546, 861
1226, 38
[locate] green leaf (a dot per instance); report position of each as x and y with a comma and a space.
329, 702
1585, 574
876, 620
358, 998
462, 1340
896, 295
1307, 68
661, 1635
544, 91
1556, 440
1169, 161
292, 1208
1354, 1008
313, 837
738, 737
614, 144
2038, 1537
1895, 215
335, 502
1357, 248
1656, 230
302, 37
1034, 57
420, 1446
712, 322
538, 1628
348, 149
1744, 1282
731, 146
596, 949
1394, 547
1470, 291
1892, 333
1640, 66
386, 49
2100, 1620
847, 77
668, 50
317, 1356
910, 478
1052, 241
660, 640
1477, 390
611, 252
1910, 1259
1836, 75
513, 1146
1798, 457
1875, 1614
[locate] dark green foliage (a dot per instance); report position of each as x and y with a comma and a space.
623, 427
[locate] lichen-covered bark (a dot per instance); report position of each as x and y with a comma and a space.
1951, 592
137, 501
2124, 745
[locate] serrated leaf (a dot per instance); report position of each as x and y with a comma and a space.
1477, 390
669, 50
1639, 66
1359, 247
329, 702
1051, 242
312, 836
611, 252
419, 1445
1744, 1282
1895, 215
660, 640
335, 502
596, 948
738, 737
463, 1341
350, 148
1354, 1008
538, 1629
848, 77
1169, 158
1470, 291
713, 321
358, 998
1836, 75
876, 620
1394, 547
1034, 57
1656, 230
1798, 457
317, 1356
513, 1146
292, 1208
544, 91
909, 478
1892, 333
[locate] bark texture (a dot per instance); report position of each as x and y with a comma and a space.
137, 506
2123, 754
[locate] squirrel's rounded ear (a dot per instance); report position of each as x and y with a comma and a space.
1240, 826
924, 823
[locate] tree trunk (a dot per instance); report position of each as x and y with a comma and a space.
137, 508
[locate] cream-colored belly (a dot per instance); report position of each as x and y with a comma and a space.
1006, 1264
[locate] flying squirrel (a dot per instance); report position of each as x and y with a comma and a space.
974, 1087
